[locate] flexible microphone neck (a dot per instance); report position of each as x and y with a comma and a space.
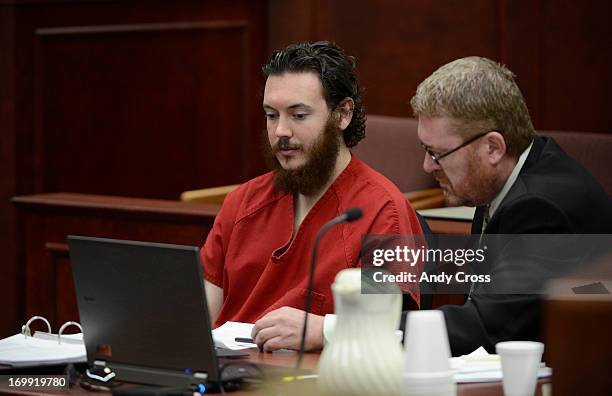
348, 216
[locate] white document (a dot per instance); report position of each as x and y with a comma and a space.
225, 336
42, 349
480, 366
450, 213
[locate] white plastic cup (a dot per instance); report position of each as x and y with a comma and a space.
520, 363
426, 344
427, 370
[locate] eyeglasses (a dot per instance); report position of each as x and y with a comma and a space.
437, 157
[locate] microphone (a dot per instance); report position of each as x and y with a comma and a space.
349, 215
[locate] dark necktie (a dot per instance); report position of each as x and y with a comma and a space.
486, 217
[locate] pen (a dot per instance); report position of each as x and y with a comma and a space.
245, 340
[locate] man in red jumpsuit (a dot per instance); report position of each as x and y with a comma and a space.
256, 257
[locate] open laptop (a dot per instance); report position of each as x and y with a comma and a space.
144, 313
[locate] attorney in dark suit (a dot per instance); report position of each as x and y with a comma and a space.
482, 149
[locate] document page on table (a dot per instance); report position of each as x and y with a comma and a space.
225, 336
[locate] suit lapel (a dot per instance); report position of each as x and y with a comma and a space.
518, 188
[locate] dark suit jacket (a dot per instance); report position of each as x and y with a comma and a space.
553, 194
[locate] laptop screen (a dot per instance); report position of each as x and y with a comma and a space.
143, 304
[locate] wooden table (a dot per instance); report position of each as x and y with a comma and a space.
304, 387
310, 361
451, 227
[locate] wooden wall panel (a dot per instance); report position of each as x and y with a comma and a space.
559, 50
9, 273
398, 41
580, 325
576, 60
64, 293
164, 123
520, 49
120, 95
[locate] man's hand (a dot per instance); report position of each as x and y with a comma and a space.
282, 328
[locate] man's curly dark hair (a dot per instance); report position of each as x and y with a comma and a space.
335, 69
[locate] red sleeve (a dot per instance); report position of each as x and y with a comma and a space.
212, 254
396, 218
399, 218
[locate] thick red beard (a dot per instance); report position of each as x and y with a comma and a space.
311, 177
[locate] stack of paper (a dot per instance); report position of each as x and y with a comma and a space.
450, 213
225, 336
480, 366
42, 349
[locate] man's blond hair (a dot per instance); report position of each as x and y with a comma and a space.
477, 95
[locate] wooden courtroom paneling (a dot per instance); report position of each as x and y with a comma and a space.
578, 343
131, 98
9, 284
559, 50
46, 220
114, 96
144, 102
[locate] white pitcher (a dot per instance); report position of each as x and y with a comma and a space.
364, 356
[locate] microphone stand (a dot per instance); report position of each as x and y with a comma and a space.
348, 216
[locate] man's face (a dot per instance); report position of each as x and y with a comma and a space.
296, 114
464, 175
303, 138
